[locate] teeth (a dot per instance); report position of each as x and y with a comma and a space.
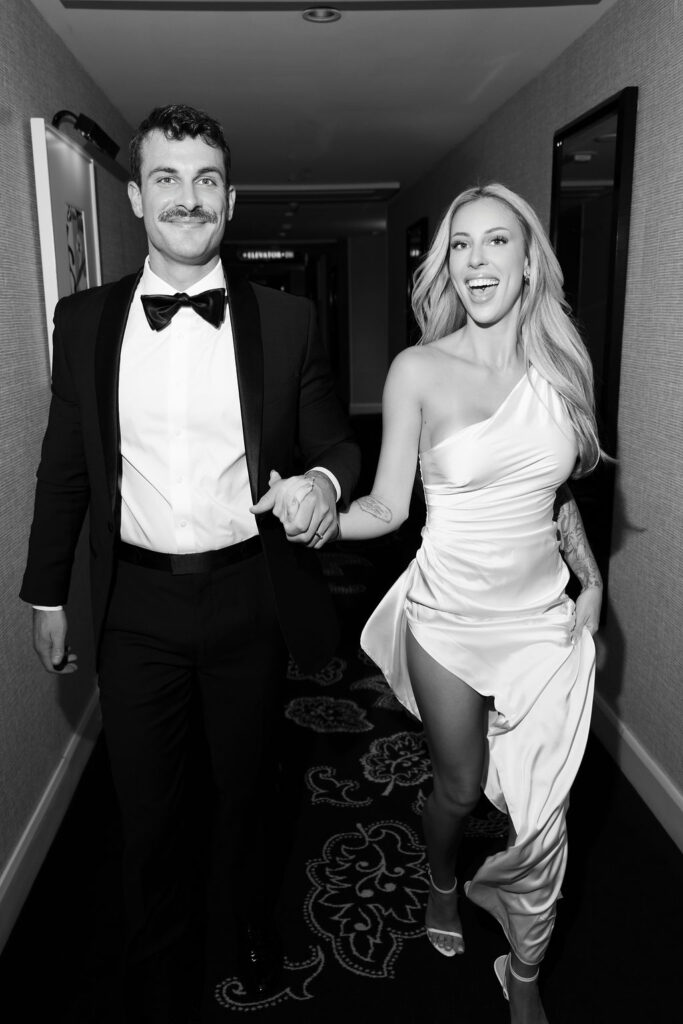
482, 282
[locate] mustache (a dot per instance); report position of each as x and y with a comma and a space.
199, 214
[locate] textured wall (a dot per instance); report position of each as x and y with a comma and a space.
37, 714
637, 42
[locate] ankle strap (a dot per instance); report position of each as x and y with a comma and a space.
519, 977
444, 892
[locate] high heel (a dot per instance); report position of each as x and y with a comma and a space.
433, 932
500, 966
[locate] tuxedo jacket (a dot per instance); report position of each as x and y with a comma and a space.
290, 416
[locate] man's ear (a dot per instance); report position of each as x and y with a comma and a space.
135, 197
231, 202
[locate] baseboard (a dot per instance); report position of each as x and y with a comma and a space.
24, 864
649, 780
364, 408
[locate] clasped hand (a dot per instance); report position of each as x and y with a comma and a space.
305, 505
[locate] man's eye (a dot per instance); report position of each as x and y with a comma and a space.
207, 181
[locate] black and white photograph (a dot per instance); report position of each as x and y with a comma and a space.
341, 657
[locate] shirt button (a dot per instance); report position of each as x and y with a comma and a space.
183, 522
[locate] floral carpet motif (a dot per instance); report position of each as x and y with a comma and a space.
327, 789
297, 977
368, 895
332, 673
399, 760
328, 714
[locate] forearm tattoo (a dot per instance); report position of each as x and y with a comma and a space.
375, 508
574, 543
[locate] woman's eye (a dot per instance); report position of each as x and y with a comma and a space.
499, 240
457, 245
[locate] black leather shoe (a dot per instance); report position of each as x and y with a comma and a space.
259, 962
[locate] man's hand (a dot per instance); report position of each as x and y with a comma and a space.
588, 605
305, 505
49, 641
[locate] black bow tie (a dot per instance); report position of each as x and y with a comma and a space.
160, 309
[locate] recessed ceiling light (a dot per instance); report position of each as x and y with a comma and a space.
321, 15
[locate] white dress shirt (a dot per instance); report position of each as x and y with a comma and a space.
184, 484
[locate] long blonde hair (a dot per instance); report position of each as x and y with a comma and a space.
549, 339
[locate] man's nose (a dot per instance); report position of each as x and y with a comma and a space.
188, 196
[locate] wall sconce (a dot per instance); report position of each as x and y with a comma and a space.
90, 130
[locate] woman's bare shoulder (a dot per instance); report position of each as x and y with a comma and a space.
418, 358
411, 370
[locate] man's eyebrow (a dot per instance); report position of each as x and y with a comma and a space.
211, 169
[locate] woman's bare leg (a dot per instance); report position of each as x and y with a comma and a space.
525, 999
454, 720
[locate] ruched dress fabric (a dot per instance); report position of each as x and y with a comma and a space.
485, 597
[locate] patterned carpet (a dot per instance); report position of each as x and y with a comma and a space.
352, 904
349, 865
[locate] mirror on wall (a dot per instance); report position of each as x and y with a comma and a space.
589, 228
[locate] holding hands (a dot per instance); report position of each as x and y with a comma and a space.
305, 505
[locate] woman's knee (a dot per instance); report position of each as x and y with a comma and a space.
455, 798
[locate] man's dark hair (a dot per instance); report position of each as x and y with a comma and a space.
177, 121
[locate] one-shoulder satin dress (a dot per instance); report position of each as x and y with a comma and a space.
485, 598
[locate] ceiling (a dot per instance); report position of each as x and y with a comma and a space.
373, 99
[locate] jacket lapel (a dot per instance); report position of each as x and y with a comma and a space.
107, 361
246, 329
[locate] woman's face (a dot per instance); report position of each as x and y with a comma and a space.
487, 260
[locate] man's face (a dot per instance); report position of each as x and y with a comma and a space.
183, 200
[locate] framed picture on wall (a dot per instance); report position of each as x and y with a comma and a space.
417, 243
67, 216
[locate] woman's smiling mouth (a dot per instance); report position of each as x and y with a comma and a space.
482, 287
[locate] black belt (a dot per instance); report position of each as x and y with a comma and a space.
182, 565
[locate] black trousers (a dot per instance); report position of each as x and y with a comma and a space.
172, 644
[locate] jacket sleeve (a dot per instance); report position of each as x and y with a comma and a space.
325, 435
62, 490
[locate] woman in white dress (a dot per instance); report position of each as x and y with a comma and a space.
478, 637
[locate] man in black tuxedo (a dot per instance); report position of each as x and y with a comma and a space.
175, 393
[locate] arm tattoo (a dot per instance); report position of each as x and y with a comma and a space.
375, 508
574, 544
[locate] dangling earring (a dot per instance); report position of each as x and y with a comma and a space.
526, 275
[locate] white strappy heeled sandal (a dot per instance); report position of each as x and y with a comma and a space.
500, 967
432, 933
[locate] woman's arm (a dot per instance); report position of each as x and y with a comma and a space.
386, 507
581, 560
